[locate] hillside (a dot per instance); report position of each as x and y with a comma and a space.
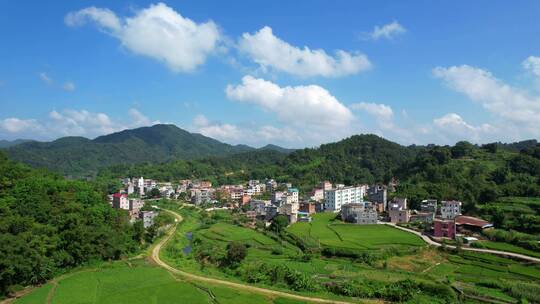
357, 159
82, 157
10, 143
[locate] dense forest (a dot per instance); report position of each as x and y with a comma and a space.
50, 224
81, 157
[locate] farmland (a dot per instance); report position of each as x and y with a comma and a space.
136, 282
376, 264
330, 232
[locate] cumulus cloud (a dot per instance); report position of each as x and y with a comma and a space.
250, 134
310, 105
513, 105
69, 86
532, 64
380, 111
457, 128
70, 122
269, 51
387, 31
158, 32
16, 125
45, 78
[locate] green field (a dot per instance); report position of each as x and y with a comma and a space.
508, 247
334, 233
471, 272
135, 283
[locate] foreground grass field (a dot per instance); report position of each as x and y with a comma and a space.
134, 283
334, 233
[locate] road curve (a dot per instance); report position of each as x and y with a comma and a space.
497, 252
270, 292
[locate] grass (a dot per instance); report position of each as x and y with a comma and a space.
466, 269
137, 283
334, 233
508, 247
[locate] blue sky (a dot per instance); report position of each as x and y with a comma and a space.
293, 73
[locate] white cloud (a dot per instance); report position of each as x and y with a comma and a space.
512, 105
381, 111
532, 63
251, 135
457, 128
158, 32
16, 125
269, 51
45, 78
309, 106
69, 86
69, 122
387, 31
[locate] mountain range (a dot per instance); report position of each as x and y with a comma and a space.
83, 157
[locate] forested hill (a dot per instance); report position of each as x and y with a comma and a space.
82, 157
49, 224
358, 159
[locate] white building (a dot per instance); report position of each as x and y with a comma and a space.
450, 209
140, 185
335, 198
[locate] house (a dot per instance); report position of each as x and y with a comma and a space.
399, 215
398, 203
378, 195
335, 198
258, 206
358, 213
326, 185
245, 199
471, 224
270, 212
444, 228
429, 205
120, 201
147, 217
306, 207
450, 209
317, 194
276, 197
135, 204
423, 217
201, 196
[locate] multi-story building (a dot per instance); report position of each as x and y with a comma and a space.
398, 203
306, 207
326, 185
270, 212
147, 217
358, 214
444, 228
378, 195
140, 185
201, 196
120, 201
317, 194
429, 205
335, 198
135, 204
399, 215
276, 197
271, 185
450, 209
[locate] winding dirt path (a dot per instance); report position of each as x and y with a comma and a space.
274, 293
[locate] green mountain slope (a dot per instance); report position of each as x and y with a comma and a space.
81, 157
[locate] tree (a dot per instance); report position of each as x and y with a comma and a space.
462, 149
236, 252
279, 223
154, 193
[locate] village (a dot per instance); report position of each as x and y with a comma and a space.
262, 201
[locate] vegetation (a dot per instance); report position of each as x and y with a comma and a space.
137, 282
364, 267
50, 224
82, 157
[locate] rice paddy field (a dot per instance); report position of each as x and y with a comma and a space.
329, 231
474, 277
133, 283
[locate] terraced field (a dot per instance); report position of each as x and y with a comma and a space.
334, 233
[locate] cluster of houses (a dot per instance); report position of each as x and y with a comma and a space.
360, 204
